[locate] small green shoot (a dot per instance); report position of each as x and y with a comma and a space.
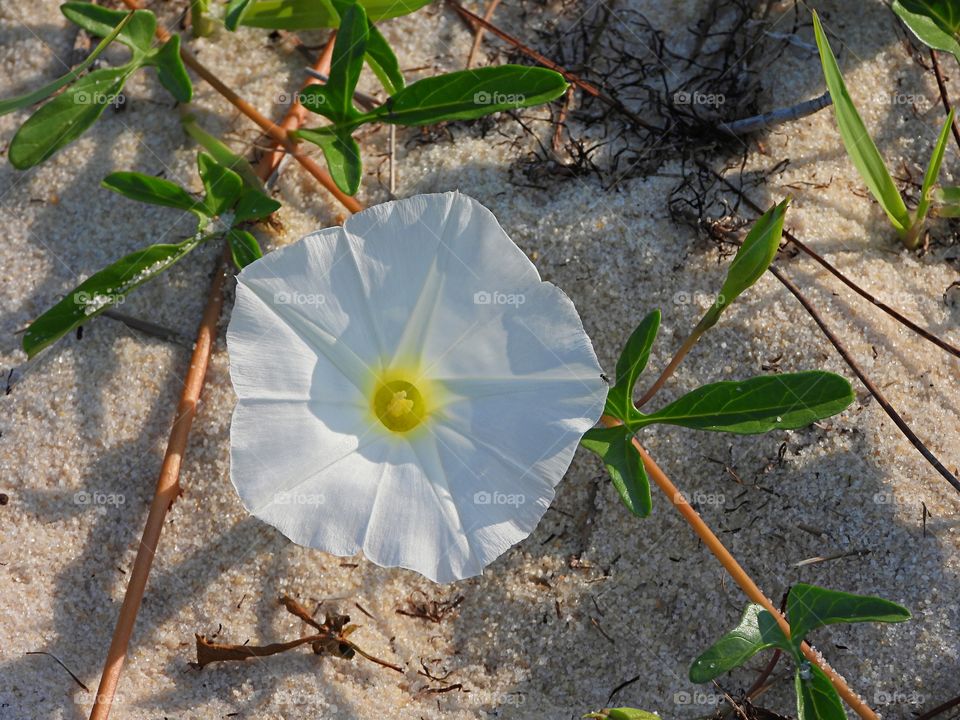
68, 115
226, 205
866, 157
755, 405
936, 23
808, 608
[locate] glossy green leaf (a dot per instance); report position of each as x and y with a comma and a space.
254, 205
49, 89
623, 713
221, 153
100, 21
936, 23
171, 71
383, 62
753, 258
153, 190
614, 445
816, 697
860, 147
244, 248
334, 100
810, 607
66, 117
757, 405
341, 153
469, 94
312, 14
236, 9
221, 185
100, 291
632, 362
930, 179
756, 631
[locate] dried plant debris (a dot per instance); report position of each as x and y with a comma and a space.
331, 639
418, 605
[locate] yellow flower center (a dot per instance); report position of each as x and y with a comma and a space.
399, 405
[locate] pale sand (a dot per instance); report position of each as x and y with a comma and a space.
93, 417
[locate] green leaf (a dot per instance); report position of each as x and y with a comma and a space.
221, 185
236, 9
312, 14
254, 205
244, 248
948, 201
751, 261
936, 23
154, 190
856, 139
383, 62
334, 100
757, 405
469, 94
614, 445
66, 117
632, 362
100, 21
623, 713
171, 71
930, 177
810, 607
221, 153
100, 291
36, 96
342, 155
756, 631
816, 697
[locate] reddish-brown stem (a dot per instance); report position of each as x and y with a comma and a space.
168, 484
687, 346
739, 575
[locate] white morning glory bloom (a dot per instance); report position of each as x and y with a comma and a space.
408, 387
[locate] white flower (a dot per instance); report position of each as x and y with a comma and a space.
408, 387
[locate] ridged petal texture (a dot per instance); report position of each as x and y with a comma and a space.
431, 283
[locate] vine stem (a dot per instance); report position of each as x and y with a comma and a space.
168, 483
278, 134
737, 573
678, 357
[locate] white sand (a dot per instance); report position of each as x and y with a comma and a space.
93, 415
